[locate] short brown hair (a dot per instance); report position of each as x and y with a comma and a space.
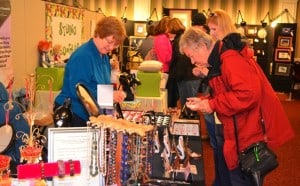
161, 26
108, 26
175, 26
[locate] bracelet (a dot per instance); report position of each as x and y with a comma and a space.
72, 170
61, 168
42, 170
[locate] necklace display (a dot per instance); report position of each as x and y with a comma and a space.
112, 148
125, 166
94, 169
135, 149
139, 153
125, 153
150, 152
102, 149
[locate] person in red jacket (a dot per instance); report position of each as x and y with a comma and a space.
240, 89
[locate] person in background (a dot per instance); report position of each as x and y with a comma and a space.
175, 29
219, 24
216, 140
239, 89
18, 123
162, 45
162, 51
90, 65
147, 44
199, 21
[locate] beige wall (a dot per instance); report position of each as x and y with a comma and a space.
28, 28
28, 25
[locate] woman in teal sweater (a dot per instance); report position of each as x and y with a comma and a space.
89, 64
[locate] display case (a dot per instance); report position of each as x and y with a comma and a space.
283, 56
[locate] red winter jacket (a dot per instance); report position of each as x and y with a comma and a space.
241, 89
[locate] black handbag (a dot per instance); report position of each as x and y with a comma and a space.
258, 159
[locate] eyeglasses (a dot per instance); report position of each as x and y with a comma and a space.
112, 43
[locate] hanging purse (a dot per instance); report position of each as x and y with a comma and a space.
258, 159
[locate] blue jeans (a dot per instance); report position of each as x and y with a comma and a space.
210, 127
222, 176
215, 132
188, 89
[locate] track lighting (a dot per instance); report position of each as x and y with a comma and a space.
263, 21
100, 12
288, 15
243, 22
124, 19
149, 21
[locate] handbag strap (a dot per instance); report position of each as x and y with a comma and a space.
262, 122
236, 135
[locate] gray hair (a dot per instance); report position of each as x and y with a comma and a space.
193, 38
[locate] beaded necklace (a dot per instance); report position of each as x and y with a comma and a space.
112, 148
102, 149
94, 169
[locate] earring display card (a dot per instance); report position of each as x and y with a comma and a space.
185, 127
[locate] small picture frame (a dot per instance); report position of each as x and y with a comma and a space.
185, 16
135, 42
282, 69
284, 42
140, 29
286, 31
283, 55
251, 31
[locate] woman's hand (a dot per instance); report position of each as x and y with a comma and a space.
200, 71
193, 103
119, 96
198, 104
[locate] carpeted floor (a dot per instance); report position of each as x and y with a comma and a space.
288, 172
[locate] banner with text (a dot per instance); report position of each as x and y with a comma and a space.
64, 27
6, 70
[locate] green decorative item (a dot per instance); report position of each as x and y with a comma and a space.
150, 84
49, 77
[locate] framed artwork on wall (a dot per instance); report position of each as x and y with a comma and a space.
135, 42
286, 30
251, 31
284, 42
140, 29
283, 55
183, 15
282, 69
